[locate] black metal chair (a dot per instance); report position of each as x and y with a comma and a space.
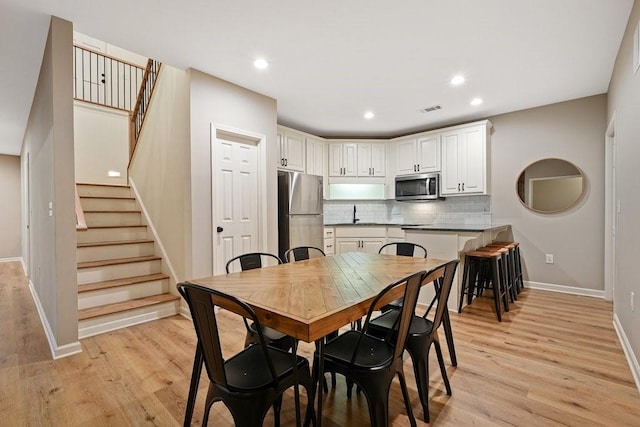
250, 382
300, 253
402, 249
422, 333
373, 362
274, 338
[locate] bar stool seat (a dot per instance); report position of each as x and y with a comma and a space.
507, 265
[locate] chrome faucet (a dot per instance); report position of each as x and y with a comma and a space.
354, 215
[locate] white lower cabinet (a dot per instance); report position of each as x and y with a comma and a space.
360, 239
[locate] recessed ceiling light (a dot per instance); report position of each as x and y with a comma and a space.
260, 63
476, 101
369, 115
457, 80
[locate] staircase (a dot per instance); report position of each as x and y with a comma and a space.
120, 282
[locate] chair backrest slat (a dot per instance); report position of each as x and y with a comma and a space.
251, 260
405, 249
444, 289
301, 253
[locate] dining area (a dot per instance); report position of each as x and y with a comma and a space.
331, 305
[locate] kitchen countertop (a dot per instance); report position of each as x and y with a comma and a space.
423, 227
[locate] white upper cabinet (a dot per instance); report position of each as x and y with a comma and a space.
316, 156
421, 154
371, 159
465, 168
292, 150
343, 159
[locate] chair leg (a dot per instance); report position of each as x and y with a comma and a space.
277, 405
405, 397
443, 370
378, 400
420, 358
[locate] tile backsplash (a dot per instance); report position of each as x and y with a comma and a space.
453, 210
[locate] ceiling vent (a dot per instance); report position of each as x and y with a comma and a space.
430, 109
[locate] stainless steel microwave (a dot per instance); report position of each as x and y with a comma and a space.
425, 186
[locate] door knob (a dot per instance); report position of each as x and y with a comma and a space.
219, 229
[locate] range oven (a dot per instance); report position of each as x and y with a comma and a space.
424, 186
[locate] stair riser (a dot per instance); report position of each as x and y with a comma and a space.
103, 191
97, 253
119, 271
105, 219
121, 293
102, 324
89, 204
111, 234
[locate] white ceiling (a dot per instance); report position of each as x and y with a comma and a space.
332, 60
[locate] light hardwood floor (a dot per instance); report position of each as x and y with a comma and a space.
554, 360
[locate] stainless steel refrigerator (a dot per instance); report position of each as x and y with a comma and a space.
300, 218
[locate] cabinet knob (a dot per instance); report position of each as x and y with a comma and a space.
286, 162
458, 186
463, 186
418, 167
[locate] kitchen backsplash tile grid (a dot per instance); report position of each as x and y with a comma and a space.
474, 210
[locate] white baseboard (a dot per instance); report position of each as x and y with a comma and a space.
564, 289
15, 259
628, 351
142, 316
57, 351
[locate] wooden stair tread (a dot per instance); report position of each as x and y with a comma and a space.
102, 185
107, 197
115, 226
117, 261
113, 243
111, 211
121, 282
103, 310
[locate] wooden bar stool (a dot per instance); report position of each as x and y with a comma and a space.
509, 265
474, 282
517, 264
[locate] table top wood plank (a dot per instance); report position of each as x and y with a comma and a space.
309, 299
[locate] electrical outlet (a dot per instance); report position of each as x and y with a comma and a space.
549, 259
633, 296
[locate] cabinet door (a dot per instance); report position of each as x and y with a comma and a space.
406, 154
364, 160
371, 246
295, 154
347, 245
315, 157
378, 159
335, 159
429, 153
472, 162
281, 149
350, 159
450, 181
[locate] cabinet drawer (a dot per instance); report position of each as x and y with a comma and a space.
362, 231
329, 233
329, 246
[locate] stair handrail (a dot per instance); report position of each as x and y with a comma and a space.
139, 112
81, 222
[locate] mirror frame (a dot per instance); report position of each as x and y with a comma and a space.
567, 208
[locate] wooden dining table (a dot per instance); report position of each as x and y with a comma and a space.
313, 298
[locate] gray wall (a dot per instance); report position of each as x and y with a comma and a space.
48, 144
572, 131
11, 207
624, 102
217, 101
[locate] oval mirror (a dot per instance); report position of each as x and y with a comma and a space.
550, 185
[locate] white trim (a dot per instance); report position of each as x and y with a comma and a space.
610, 215
15, 259
564, 289
156, 237
159, 311
57, 352
628, 351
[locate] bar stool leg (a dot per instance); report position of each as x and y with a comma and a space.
495, 273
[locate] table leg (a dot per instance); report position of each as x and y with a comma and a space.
193, 388
320, 375
296, 387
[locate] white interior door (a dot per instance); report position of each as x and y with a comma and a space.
235, 198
